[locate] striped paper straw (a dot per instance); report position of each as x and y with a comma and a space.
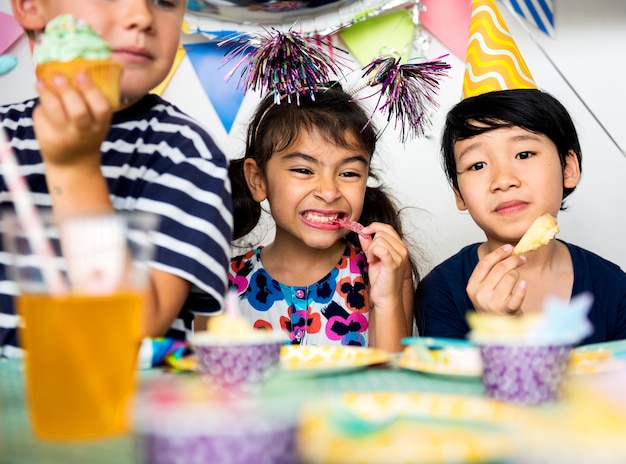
29, 217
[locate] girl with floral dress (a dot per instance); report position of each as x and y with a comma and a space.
317, 281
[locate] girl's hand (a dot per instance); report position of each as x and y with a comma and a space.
390, 286
71, 123
495, 285
388, 262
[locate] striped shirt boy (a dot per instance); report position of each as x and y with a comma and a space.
155, 159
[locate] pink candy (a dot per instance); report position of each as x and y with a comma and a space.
353, 226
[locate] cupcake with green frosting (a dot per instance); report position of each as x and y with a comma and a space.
70, 46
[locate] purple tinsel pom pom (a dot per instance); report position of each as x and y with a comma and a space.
285, 63
407, 90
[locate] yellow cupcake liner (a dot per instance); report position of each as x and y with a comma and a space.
105, 74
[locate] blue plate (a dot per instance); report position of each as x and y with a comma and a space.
438, 343
617, 348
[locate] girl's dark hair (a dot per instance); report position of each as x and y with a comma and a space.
530, 109
275, 127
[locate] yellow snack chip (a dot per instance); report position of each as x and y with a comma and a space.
500, 324
538, 234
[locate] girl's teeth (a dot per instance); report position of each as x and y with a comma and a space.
320, 218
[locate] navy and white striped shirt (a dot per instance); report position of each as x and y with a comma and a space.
158, 160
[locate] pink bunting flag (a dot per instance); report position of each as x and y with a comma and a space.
10, 31
448, 21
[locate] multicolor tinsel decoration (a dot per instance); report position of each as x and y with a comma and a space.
173, 353
408, 91
285, 63
290, 65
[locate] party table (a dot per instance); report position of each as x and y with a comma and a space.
19, 445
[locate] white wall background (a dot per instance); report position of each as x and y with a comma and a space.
584, 62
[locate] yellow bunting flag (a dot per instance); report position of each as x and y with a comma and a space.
493, 61
180, 54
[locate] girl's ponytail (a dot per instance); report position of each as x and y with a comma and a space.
379, 206
246, 211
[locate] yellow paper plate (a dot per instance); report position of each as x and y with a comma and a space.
586, 361
330, 358
408, 427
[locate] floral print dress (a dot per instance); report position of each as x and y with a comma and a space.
333, 311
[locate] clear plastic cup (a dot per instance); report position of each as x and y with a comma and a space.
81, 343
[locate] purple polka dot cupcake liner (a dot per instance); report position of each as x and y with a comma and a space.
237, 368
268, 446
178, 420
524, 374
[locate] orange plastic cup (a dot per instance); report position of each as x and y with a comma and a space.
81, 362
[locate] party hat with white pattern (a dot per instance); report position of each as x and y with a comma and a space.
493, 61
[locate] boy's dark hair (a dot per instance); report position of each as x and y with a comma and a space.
530, 109
274, 127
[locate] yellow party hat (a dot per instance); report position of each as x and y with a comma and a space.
493, 61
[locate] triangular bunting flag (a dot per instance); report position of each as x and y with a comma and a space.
10, 31
180, 54
539, 13
207, 60
448, 21
381, 35
493, 61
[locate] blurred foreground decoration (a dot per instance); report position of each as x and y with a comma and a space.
7, 63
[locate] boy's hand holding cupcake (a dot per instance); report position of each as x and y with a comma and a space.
78, 84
